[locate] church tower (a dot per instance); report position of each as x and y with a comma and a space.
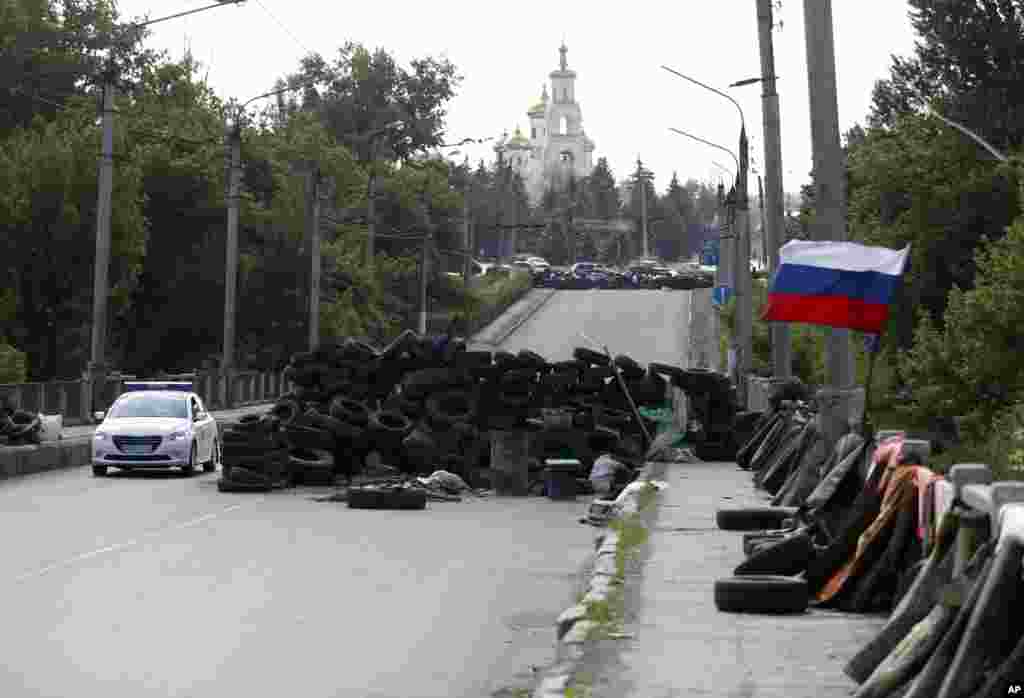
556, 146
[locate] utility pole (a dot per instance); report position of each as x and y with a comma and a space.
314, 247
830, 202
764, 227
744, 308
101, 278
642, 183
424, 261
467, 265
231, 256
775, 220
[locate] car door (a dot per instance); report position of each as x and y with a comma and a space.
199, 429
209, 424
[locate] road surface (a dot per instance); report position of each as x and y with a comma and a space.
647, 325
158, 585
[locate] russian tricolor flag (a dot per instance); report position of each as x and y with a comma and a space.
838, 284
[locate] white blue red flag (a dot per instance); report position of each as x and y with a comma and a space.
837, 284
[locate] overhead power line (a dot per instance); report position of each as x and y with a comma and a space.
285, 28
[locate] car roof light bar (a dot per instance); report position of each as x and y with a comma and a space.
138, 386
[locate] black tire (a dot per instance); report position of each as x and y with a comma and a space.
413, 409
753, 518
533, 359
761, 594
755, 540
401, 499
446, 409
354, 350
787, 557
343, 431
310, 439
598, 373
519, 375
390, 424
286, 410
258, 461
473, 359
249, 422
629, 368
616, 419
673, 373
99, 471
310, 394
590, 356
350, 411
573, 366
422, 383
304, 458
251, 441
504, 357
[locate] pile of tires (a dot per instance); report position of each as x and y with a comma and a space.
420, 405
254, 456
19, 427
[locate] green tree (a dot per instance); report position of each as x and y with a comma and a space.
602, 196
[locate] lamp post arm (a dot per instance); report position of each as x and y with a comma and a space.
713, 145
970, 134
743, 121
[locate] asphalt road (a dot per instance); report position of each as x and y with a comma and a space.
647, 325
158, 585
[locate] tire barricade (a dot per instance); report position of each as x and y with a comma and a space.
869, 528
421, 404
19, 427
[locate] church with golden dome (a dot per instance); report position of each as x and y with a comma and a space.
556, 148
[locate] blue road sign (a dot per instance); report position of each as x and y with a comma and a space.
721, 295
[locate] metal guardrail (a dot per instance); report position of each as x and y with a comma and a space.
72, 399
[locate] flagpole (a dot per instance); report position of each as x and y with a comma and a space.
872, 343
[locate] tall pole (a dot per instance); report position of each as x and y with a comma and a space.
744, 308
764, 228
423, 284
830, 200
467, 268
775, 220
642, 181
101, 278
314, 245
231, 256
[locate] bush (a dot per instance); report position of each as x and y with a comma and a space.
972, 365
13, 365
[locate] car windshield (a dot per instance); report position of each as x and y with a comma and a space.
142, 405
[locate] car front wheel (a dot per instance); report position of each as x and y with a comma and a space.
191, 467
99, 470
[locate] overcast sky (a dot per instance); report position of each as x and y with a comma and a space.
505, 52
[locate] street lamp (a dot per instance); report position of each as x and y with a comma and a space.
743, 281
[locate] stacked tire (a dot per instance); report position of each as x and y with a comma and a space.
419, 405
255, 456
20, 427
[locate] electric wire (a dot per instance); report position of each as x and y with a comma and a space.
284, 27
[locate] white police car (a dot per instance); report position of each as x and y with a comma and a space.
155, 425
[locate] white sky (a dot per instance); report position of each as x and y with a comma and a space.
628, 101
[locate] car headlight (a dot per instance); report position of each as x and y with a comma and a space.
175, 435
99, 436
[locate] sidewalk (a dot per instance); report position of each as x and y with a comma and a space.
684, 646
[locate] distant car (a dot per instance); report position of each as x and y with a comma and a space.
156, 426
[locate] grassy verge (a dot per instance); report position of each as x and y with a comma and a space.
608, 614
481, 303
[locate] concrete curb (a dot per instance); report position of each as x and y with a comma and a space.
74, 452
572, 628
540, 298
